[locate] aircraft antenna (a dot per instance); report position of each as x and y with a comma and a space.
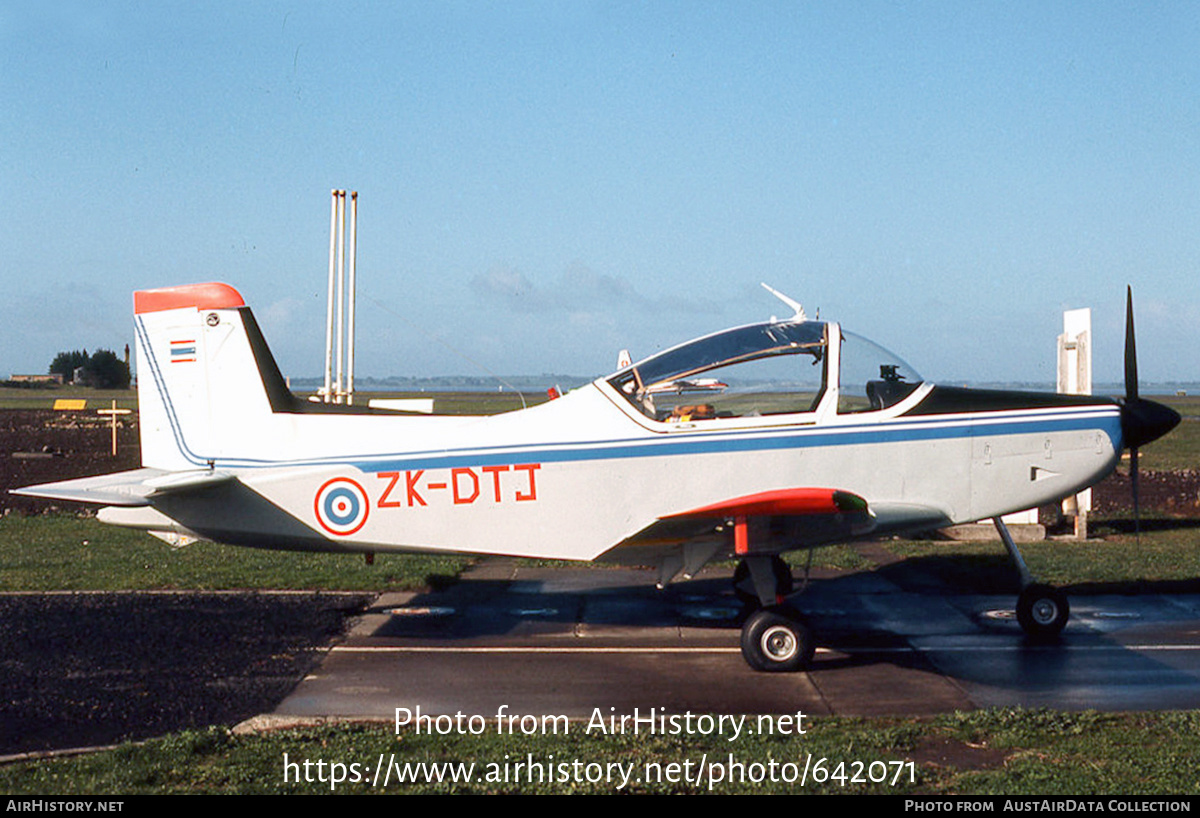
795, 305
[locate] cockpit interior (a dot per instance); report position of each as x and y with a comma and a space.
775, 368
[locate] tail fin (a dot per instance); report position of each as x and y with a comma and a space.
207, 383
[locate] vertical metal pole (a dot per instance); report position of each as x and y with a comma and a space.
350, 319
329, 309
341, 293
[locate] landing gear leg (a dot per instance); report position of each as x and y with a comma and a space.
775, 638
766, 584
1042, 610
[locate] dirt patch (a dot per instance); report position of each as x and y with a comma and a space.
41, 446
1174, 493
94, 669
90, 669
949, 753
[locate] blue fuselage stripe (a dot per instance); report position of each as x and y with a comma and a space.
1108, 424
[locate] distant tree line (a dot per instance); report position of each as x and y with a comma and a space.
102, 369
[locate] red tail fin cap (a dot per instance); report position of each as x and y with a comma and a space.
210, 296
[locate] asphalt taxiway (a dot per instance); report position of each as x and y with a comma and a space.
568, 641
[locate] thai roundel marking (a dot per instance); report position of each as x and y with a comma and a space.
341, 506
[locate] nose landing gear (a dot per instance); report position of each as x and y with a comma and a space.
1042, 610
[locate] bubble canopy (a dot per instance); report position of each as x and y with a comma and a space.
763, 369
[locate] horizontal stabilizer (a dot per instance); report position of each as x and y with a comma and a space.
179, 481
128, 488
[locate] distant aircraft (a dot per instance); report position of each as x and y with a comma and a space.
838, 440
689, 385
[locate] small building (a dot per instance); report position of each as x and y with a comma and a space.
54, 377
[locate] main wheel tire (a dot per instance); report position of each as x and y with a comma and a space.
743, 583
1043, 611
776, 639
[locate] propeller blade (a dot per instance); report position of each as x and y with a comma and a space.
1142, 421
1131, 373
1131, 399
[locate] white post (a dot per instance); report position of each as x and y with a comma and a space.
350, 320
336, 390
329, 310
341, 295
1075, 378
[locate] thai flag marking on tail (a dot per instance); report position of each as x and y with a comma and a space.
183, 352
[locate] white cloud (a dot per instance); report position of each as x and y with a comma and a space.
581, 290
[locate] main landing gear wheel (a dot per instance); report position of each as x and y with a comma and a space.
776, 639
1042, 611
743, 583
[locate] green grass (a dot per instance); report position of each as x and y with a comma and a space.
1186, 405
1055, 753
1167, 552
1001, 752
834, 557
61, 552
64, 552
43, 398
1179, 449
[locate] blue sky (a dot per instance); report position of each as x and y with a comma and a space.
542, 184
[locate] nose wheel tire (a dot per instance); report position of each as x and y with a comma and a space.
1042, 611
776, 639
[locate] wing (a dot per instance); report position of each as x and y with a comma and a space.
768, 523
127, 488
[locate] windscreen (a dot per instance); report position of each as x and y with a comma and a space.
762, 369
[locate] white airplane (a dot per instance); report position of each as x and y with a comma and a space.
839, 440
689, 385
